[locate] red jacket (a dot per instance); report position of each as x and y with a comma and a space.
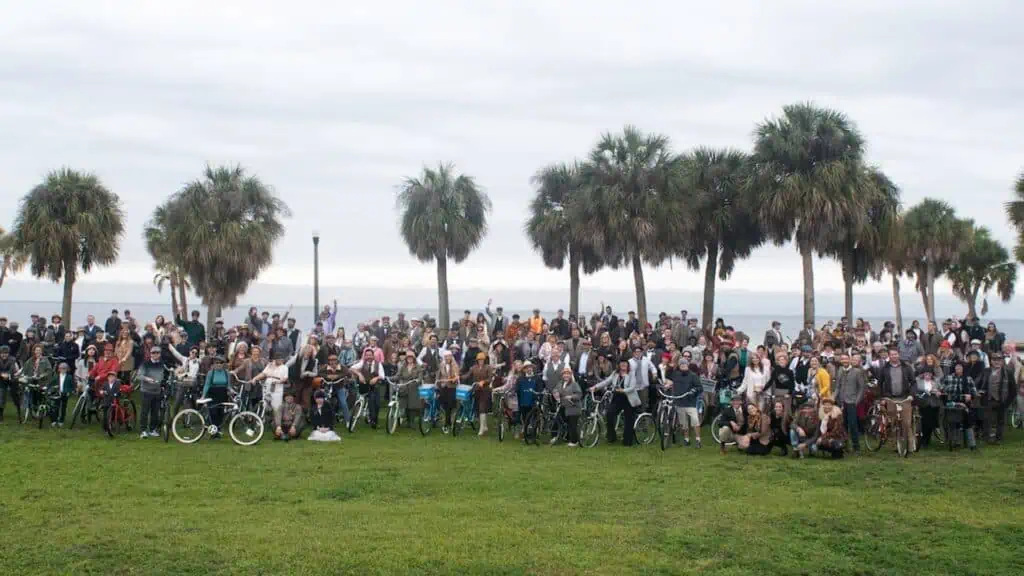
104, 366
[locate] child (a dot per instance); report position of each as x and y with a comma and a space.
322, 419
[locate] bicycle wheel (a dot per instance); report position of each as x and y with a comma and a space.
356, 414
874, 437
426, 421
392, 423
1016, 419
531, 431
246, 428
130, 415
165, 422
502, 427
79, 412
700, 411
666, 430
114, 422
591, 432
41, 411
901, 443
188, 426
643, 429
939, 434
716, 423
620, 427
915, 426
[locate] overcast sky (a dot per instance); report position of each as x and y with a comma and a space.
333, 103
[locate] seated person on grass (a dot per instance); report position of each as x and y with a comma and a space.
288, 418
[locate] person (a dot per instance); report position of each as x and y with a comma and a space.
150, 377
39, 371
305, 369
216, 389
113, 324
781, 381
643, 371
408, 397
780, 425
958, 388
896, 386
928, 405
108, 363
850, 385
569, 396
999, 388
688, 387
804, 431
64, 386
447, 379
369, 372
8, 381
757, 440
755, 379
277, 374
480, 375
124, 350
773, 336
322, 420
833, 433
625, 400
332, 371
194, 328
528, 385
819, 381
288, 418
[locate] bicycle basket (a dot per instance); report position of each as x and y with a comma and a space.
428, 391
724, 396
463, 392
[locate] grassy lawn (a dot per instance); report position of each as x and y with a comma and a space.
75, 502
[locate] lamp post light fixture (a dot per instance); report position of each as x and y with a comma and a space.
316, 277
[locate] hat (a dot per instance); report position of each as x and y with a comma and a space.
481, 356
945, 344
806, 348
829, 399
975, 341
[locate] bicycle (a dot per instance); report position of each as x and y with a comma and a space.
593, 415
551, 421
955, 423
249, 422
359, 409
121, 414
190, 425
725, 395
465, 408
331, 388
938, 433
531, 421
166, 393
28, 385
879, 427
394, 417
669, 417
47, 404
504, 416
432, 411
85, 405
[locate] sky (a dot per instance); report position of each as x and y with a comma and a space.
334, 103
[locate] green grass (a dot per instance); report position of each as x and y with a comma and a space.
75, 502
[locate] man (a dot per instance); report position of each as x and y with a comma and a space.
91, 330
573, 345
983, 357
686, 384
293, 333
8, 382
369, 372
328, 316
624, 400
430, 358
800, 365
113, 324
773, 336
998, 389
632, 325
643, 371
557, 362
401, 324
288, 418
385, 329
804, 430
536, 322
528, 348
330, 348
497, 322
560, 326
849, 387
56, 327
469, 356
333, 371
910, 349
14, 339
781, 381
807, 335
974, 329
193, 328
150, 377
68, 349
734, 422
64, 386
896, 386
584, 363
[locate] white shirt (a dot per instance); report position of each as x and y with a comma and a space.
359, 366
640, 370
582, 369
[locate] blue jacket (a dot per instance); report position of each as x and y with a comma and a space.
526, 389
215, 379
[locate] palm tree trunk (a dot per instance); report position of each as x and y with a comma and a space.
710, 271
442, 291
3, 270
896, 301
174, 296
181, 297
972, 303
807, 256
70, 268
848, 285
641, 292
931, 290
574, 284
212, 313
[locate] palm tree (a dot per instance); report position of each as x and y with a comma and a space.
10, 260
933, 239
443, 215
223, 228
69, 222
633, 206
895, 262
860, 244
1015, 210
982, 264
168, 270
808, 175
554, 225
729, 229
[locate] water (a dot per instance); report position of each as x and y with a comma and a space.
349, 317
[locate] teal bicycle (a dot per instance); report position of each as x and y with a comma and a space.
433, 416
465, 408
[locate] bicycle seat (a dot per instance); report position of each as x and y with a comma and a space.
204, 401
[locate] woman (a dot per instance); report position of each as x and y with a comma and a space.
447, 379
994, 339
959, 388
322, 420
569, 395
928, 406
159, 326
84, 364
622, 351
757, 440
499, 358
818, 380
480, 375
930, 363
780, 426
125, 352
754, 380
240, 357
39, 371
408, 394
216, 388
833, 431
480, 330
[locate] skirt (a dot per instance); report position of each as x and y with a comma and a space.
328, 436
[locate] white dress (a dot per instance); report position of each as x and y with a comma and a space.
328, 436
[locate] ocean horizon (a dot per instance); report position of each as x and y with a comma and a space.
754, 325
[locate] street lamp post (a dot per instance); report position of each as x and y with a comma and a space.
316, 277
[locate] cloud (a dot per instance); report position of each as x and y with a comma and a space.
333, 103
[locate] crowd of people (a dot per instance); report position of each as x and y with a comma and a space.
810, 394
